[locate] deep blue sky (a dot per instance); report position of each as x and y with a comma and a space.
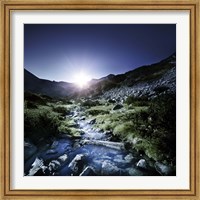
59, 51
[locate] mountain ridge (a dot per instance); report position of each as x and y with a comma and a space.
145, 76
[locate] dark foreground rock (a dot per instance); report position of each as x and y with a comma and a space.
29, 150
142, 164
88, 171
117, 107
109, 168
164, 170
76, 165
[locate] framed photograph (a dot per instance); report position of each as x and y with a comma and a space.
99, 99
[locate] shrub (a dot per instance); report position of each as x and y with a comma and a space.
34, 98
40, 124
30, 104
47, 97
68, 129
137, 101
163, 114
90, 103
124, 130
61, 109
108, 125
97, 112
154, 125
159, 128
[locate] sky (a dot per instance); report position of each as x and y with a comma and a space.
60, 51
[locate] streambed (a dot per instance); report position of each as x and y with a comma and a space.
91, 154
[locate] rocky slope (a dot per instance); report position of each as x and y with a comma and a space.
167, 83
144, 81
148, 81
128, 121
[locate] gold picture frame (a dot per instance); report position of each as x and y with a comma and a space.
7, 6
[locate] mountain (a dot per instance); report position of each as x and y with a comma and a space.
146, 81
149, 81
51, 88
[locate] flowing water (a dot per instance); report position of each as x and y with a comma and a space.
93, 154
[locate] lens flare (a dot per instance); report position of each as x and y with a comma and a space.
81, 79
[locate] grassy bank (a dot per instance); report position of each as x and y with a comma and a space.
145, 126
45, 118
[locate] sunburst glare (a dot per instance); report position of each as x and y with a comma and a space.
82, 79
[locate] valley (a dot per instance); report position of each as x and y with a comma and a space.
120, 125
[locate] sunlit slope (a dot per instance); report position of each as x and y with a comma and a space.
145, 80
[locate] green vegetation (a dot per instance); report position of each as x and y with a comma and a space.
97, 110
70, 127
34, 98
89, 103
137, 101
40, 123
147, 126
45, 118
150, 127
61, 109
148, 73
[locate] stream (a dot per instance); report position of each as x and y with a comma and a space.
92, 154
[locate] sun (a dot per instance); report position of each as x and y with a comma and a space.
81, 79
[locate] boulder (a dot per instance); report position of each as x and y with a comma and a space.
51, 151
29, 150
54, 144
117, 107
164, 170
111, 101
107, 132
93, 121
63, 158
77, 145
109, 168
134, 172
82, 118
88, 171
142, 164
136, 140
128, 145
105, 157
54, 165
64, 135
36, 166
76, 163
119, 159
128, 157
113, 145
98, 130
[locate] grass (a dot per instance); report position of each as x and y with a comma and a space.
137, 101
69, 127
42, 121
61, 109
149, 127
99, 110
109, 121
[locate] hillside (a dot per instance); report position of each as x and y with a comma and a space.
146, 80
41, 86
121, 125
